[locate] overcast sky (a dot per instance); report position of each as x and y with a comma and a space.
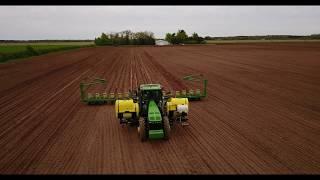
87, 22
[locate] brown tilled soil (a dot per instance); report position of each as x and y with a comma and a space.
262, 113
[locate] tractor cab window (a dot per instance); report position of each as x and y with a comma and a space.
152, 94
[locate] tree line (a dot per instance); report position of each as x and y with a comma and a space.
267, 37
182, 37
125, 38
128, 37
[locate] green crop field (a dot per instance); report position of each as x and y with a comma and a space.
46, 43
10, 51
19, 48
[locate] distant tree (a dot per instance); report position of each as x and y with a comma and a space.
127, 36
104, 36
102, 40
172, 38
195, 37
181, 36
169, 37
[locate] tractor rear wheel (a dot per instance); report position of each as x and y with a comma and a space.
166, 127
142, 129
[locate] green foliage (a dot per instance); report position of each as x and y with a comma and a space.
172, 38
126, 38
182, 37
197, 38
315, 36
103, 40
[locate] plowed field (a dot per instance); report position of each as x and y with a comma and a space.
262, 113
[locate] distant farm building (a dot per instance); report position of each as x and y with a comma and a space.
162, 43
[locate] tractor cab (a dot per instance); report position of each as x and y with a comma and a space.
148, 93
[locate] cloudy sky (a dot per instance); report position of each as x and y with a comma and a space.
87, 22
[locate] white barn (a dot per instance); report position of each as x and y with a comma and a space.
162, 42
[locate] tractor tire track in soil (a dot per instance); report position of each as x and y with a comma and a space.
261, 114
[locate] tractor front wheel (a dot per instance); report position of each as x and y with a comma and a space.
142, 129
166, 127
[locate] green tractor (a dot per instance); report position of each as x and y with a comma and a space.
152, 112
153, 121
149, 107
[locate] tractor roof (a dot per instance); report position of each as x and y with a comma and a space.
150, 86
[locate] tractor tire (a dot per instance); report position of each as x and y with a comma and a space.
142, 130
166, 127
